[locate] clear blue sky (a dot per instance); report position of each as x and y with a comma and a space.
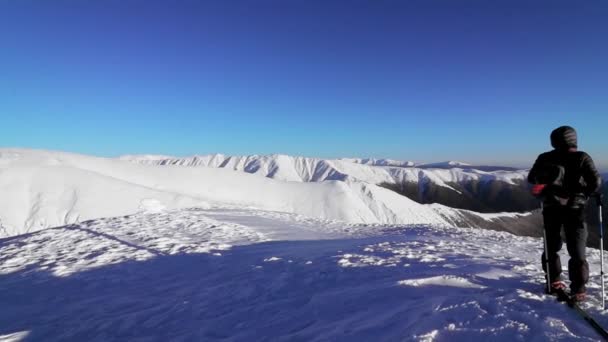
478, 81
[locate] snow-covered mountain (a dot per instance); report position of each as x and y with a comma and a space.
380, 162
118, 250
486, 189
449, 183
447, 164
302, 169
43, 189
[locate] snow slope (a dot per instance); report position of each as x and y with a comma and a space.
301, 169
250, 275
45, 189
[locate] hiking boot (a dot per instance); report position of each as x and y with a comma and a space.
578, 297
558, 286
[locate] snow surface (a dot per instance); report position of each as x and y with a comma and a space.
239, 274
43, 189
101, 249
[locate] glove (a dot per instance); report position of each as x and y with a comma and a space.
537, 189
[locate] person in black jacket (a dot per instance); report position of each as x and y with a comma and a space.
565, 178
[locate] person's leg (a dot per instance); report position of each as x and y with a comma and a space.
553, 223
576, 241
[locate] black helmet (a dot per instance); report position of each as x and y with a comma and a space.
563, 138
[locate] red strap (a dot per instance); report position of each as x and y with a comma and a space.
537, 189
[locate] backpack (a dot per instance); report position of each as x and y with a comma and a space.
562, 174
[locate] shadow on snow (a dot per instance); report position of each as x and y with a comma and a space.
306, 295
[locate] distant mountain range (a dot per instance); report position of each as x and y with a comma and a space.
487, 189
43, 189
477, 188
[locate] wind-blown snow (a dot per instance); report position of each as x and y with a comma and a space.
237, 274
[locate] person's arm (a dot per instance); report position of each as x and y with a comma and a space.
591, 176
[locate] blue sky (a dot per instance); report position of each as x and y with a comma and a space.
478, 81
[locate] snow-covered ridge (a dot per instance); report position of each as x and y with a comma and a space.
450, 163
44, 189
302, 169
380, 162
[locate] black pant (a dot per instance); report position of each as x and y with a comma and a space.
575, 229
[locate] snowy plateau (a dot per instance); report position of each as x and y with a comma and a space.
264, 248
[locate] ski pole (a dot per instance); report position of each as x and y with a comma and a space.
546, 251
599, 206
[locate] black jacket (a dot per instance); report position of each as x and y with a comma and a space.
580, 180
